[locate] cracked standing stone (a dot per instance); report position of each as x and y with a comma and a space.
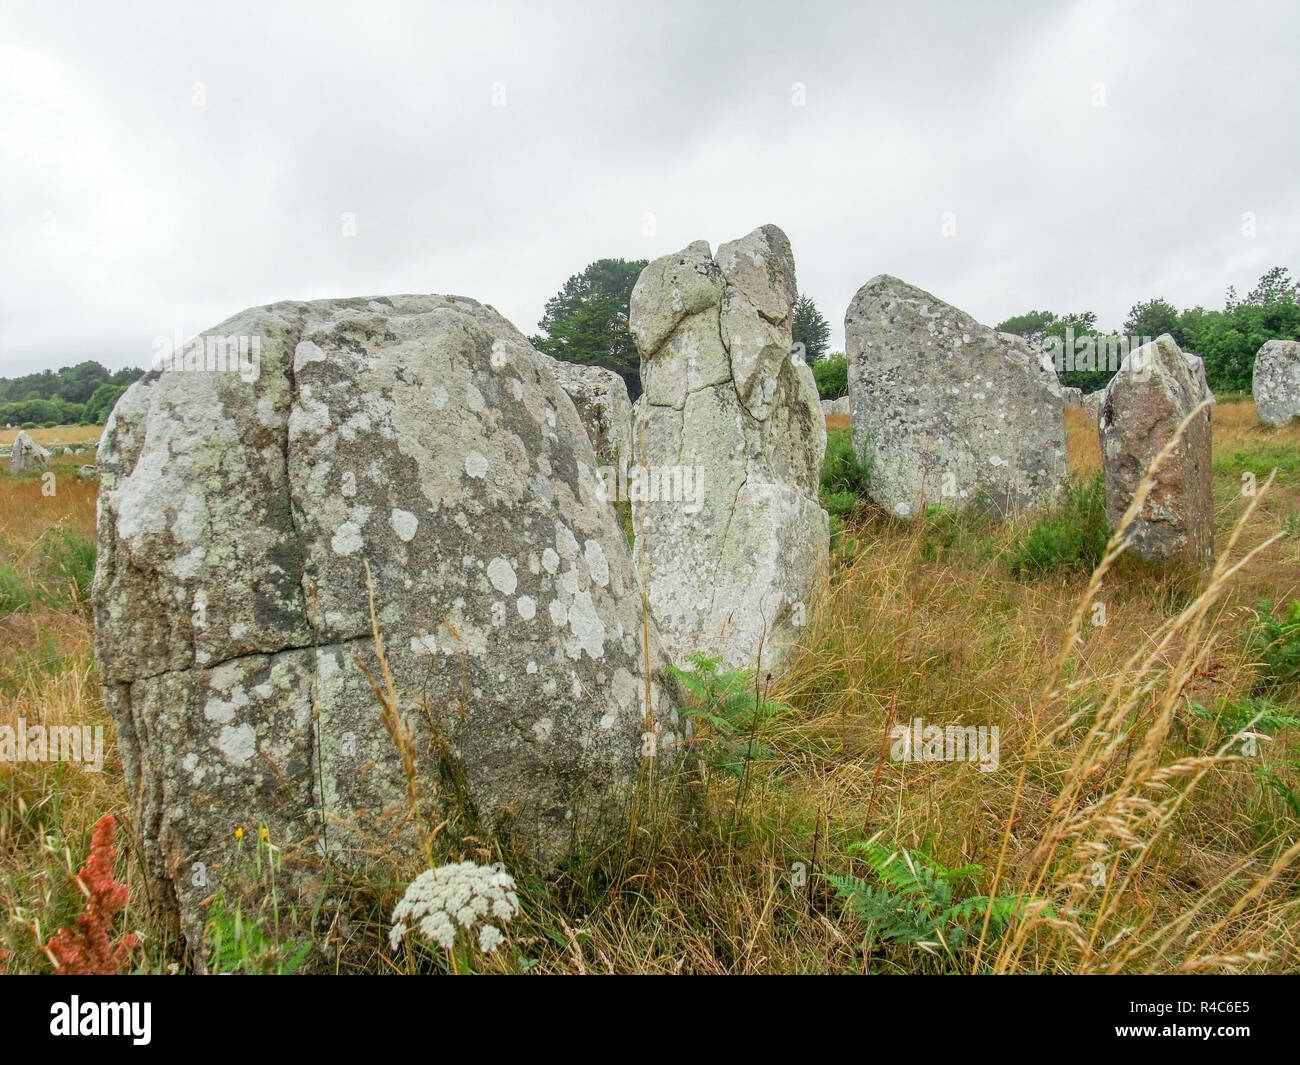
420, 435
732, 561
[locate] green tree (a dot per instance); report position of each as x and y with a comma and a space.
1152, 318
1032, 325
101, 402
810, 329
587, 320
1275, 287
832, 375
1053, 332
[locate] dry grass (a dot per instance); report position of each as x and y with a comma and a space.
1153, 840
60, 435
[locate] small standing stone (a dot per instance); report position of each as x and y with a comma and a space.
1145, 403
27, 455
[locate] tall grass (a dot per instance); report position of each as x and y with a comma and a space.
1124, 831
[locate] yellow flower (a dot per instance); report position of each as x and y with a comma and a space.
264, 834
239, 833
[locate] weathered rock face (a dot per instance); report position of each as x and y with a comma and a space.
947, 409
1145, 402
601, 398
1276, 381
1072, 397
421, 436
835, 406
1092, 405
731, 539
1197, 365
27, 455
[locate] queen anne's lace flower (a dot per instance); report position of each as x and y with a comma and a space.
457, 893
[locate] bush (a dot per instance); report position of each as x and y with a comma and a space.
832, 375
1277, 645
1071, 535
70, 565
844, 476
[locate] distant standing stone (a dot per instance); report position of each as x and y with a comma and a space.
27, 455
1197, 365
947, 410
603, 405
1146, 401
1276, 381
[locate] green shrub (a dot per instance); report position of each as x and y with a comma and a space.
1277, 645
832, 375
70, 566
733, 710
1070, 535
844, 476
912, 901
949, 531
15, 593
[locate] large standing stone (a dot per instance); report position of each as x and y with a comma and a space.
1146, 401
27, 455
421, 436
602, 401
1276, 381
948, 410
835, 406
1072, 397
730, 438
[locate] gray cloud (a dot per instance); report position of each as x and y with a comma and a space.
126, 211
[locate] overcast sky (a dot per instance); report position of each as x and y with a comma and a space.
164, 165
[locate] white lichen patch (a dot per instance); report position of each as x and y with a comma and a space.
238, 744
347, 539
404, 524
502, 575
476, 465
597, 563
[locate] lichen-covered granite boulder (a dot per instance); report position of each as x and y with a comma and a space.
729, 432
946, 410
1275, 383
420, 436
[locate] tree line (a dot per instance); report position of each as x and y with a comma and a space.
587, 322
83, 394
1227, 340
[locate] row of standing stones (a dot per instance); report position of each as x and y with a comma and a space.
414, 456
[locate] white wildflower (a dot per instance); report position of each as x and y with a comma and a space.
457, 893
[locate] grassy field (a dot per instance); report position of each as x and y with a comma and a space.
1144, 815
59, 436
